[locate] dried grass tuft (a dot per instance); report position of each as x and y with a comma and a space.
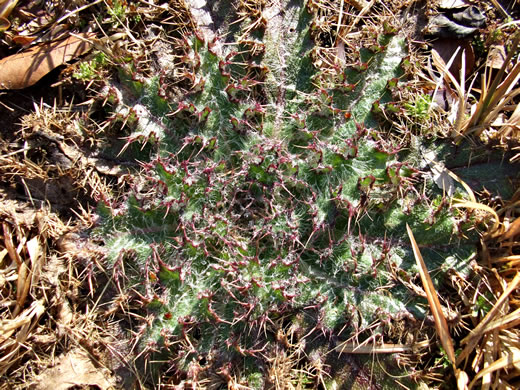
23, 258
46, 176
497, 337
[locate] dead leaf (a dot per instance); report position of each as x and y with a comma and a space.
441, 175
23, 40
72, 370
24, 69
25, 324
447, 48
22, 287
496, 57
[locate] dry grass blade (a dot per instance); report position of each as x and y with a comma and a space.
512, 230
505, 87
493, 347
24, 323
4, 24
441, 168
9, 245
508, 321
495, 95
510, 261
340, 15
440, 321
513, 123
476, 334
24, 298
8, 327
490, 90
35, 251
22, 288
511, 359
498, 6
483, 207
468, 189
495, 92
439, 63
354, 348
77, 10
6, 7
500, 107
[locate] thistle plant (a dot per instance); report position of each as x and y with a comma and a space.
272, 197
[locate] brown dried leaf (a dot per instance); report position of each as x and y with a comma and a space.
24, 69
456, 48
8, 327
23, 40
496, 57
73, 370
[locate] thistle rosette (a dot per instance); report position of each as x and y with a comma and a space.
274, 194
